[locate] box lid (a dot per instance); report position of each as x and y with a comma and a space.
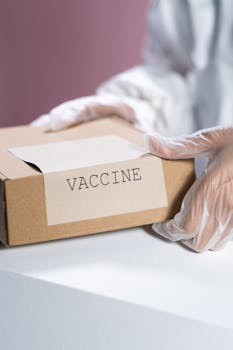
12, 167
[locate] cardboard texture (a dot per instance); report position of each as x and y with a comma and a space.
23, 217
108, 175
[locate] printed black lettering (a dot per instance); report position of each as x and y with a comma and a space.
115, 177
82, 183
91, 183
125, 175
101, 179
104, 179
72, 185
136, 174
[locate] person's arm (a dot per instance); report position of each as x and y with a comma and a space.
151, 101
153, 96
160, 99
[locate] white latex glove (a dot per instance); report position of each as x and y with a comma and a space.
92, 107
143, 96
205, 220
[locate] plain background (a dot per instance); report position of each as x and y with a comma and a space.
55, 50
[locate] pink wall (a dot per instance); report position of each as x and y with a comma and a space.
55, 50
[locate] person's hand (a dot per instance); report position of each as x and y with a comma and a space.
141, 96
135, 111
205, 220
84, 109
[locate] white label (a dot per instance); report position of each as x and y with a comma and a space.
80, 153
105, 190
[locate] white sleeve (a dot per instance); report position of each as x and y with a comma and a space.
161, 82
161, 99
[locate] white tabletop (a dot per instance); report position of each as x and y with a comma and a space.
122, 290
137, 267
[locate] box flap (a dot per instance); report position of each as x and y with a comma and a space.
14, 168
10, 166
76, 154
2, 176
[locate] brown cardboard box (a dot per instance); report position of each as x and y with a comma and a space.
23, 216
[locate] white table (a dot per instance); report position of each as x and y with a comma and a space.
123, 290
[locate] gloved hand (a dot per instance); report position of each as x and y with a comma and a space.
132, 95
145, 98
135, 111
205, 220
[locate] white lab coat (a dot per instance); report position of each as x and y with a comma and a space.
187, 74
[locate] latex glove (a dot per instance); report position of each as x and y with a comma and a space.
143, 96
138, 112
205, 220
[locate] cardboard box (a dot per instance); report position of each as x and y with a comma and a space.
36, 207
